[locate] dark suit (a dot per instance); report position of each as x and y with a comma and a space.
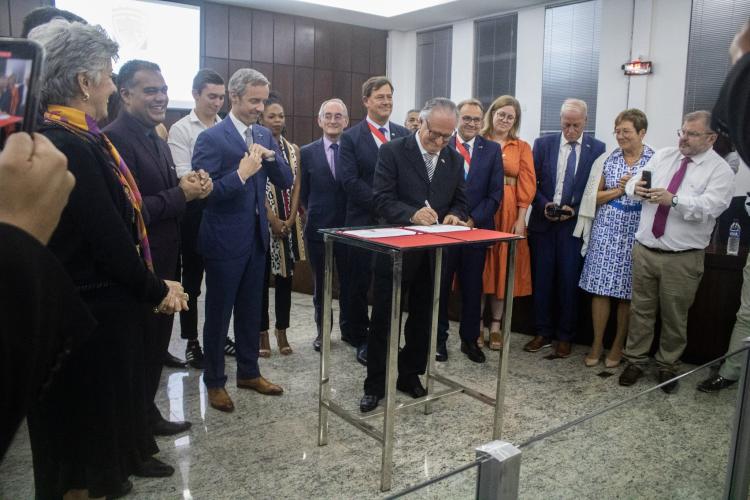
358, 155
233, 239
555, 253
150, 162
400, 188
324, 201
731, 114
484, 193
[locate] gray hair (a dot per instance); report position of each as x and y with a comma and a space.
574, 105
701, 114
337, 101
470, 102
441, 103
71, 49
244, 77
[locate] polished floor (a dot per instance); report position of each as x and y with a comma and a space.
659, 446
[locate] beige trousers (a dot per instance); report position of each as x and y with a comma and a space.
664, 282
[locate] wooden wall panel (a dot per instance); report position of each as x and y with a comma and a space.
303, 130
342, 88
262, 36
240, 33
323, 88
377, 52
264, 67
4, 18
283, 39
360, 50
357, 109
216, 30
220, 65
304, 42
324, 45
18, 10
283, 82
303, 91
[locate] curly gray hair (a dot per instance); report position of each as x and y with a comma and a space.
244, 77
71, 49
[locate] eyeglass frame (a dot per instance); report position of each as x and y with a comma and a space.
692, 135
434, 136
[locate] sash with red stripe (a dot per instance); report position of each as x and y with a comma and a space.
377, 133
463, 152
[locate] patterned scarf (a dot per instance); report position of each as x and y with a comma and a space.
84, 126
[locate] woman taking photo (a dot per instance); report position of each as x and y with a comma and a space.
91, 432
607, 270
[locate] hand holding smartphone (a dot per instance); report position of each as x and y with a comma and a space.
20, 70
646, 176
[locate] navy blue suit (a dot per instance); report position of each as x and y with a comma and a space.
150, 161
556, 259
324, 201
484, 193
357, 158
233, 239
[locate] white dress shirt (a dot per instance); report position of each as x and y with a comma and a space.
182, 137
706, 191
562, 164
378, 127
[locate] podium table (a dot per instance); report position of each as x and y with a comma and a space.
394, 242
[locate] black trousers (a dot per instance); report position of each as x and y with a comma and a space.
192, 268
416, 284
316, 253
359, 275
282, 296
157, 330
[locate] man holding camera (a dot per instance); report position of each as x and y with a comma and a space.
690, 187
562, 163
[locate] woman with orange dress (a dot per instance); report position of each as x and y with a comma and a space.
501, 123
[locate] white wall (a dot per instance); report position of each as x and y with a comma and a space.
657, 30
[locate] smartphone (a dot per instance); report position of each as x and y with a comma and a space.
646, 176
556, 211
21, 63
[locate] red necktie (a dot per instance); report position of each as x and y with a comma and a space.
660, 219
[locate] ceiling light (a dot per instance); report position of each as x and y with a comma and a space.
383, 8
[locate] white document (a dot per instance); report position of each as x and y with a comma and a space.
382, 232
439, 228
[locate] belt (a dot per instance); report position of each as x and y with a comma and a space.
659, 250
510, 181
623, 207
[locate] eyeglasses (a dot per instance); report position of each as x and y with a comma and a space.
435, 136
329, 117
624, 133
505, 117
470, 119
690, 134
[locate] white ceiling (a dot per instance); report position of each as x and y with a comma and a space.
446, 13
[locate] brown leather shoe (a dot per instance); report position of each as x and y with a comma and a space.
260, 385
220, 400
536, 344
563, 349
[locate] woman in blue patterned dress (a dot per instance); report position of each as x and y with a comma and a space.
607, 270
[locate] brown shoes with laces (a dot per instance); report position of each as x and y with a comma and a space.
261, 385
219, 399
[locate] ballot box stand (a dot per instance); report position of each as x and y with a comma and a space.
394, 247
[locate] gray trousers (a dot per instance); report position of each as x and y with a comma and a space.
664, 282
732, 366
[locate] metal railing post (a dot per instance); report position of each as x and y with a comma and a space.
499, 477
738, 466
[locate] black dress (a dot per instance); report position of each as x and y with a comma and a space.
91, 432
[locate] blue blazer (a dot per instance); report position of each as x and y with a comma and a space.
546, 150
228, 226
484, 185
321, 195
357, 158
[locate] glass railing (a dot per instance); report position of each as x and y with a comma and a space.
651, 445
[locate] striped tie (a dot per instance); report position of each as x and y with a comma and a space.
429, 162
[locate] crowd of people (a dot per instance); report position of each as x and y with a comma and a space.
136, 222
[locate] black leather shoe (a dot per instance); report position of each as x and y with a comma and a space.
472, 351
194, 355
411, 386
316, 343
715, 384
173, 361
152, 467
665, 375
362, 354
441, 351
368, 403
631, 375
164, 427
124, 488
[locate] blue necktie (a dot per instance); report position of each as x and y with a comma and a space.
570, 173
334, 159
385, 133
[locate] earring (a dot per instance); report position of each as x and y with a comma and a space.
85, 97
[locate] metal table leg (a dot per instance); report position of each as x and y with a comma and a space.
434, 324
391, 362
502, 368
325, 347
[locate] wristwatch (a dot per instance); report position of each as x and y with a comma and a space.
674, 201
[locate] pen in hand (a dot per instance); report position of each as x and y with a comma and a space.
427, 204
